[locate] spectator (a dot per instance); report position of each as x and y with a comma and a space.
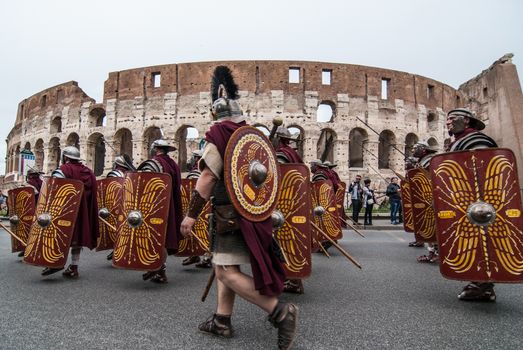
393, 192
368, 202
356, 194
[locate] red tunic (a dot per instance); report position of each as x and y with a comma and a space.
267, 270
175, 218
86, 226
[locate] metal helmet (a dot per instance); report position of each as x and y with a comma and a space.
124, 161
421, 146
224, 93
474, 121
71, 152
283, 132
329, 164
162, 144
197, 153
315, 162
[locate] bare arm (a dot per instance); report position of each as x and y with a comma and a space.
204, 186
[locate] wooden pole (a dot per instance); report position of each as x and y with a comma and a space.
342, 251
107, 223
13, 235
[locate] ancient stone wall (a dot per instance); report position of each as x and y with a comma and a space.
495, 95
140, 104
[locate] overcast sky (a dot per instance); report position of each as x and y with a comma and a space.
44, 43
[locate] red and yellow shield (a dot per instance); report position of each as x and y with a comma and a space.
322, 195
191, 246
142, 224
109, 195
422, 210
477, 202
52, 231
21, 203
340, 201
294, 237
251, 174
406, 202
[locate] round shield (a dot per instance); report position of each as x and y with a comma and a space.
251, 174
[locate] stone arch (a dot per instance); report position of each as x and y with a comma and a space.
123, 142
433, 142
53, 155
188, 141
150, 135
39, 154
56, 125
96, 153
297, 131
263, 129
410, 140
357, 139
17, 158
432, 121
385, 150
326, 145
97, 116
326, 111
73, 140
27, 146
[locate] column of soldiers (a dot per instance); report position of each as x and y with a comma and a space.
151, 209
465, 205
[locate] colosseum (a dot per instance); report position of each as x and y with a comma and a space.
364, 119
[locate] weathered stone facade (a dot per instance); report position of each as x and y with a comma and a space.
139, 104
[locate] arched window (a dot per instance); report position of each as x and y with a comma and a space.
189, 141
263, 129
298, 134
150, 135
433, 142
56, 125
123, 142
325, 112
97, 116
385, 149
39, 154
96, 153
326, 144
73, 140
357, 139
432, 121
410, 140
54, 153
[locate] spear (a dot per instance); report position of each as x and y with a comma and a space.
13, 235
336, 245
379, 160
381, 139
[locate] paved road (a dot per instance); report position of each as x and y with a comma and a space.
393, 303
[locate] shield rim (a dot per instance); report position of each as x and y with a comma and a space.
230, 185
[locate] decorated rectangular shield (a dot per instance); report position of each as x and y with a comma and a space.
477, 202
340, 201
52, 231
406, 202
109, 195
191, 246
294, 237
422, 210
142, 224
323, 196
21, 203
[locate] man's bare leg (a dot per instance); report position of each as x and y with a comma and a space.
243, 285
225, 299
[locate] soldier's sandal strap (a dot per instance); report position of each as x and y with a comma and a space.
196, 205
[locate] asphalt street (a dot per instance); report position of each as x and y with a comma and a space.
392, 303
